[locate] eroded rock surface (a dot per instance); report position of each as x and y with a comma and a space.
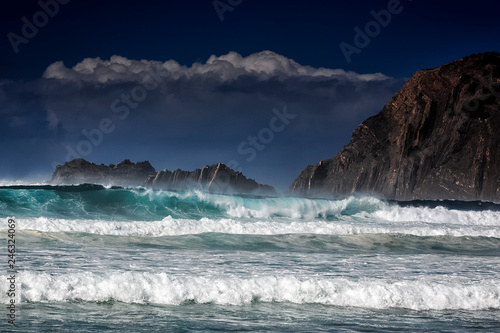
437, 138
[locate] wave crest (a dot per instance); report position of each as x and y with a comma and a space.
162, 288
173, 227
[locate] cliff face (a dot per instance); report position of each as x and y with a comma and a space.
80, 171
437, 138
216, 178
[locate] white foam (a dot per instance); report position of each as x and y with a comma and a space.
172, 227
162, 288
439, 215
296, 208
369, 208
7, 182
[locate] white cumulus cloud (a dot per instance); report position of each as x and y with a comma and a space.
226, 68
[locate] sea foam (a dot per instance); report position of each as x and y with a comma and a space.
172, 227
162, 288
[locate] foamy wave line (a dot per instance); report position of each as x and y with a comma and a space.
361, 207
438, 215
7, 182
174, 227
291, 207
161, 288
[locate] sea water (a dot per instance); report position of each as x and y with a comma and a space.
91, 258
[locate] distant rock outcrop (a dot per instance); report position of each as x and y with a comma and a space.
80, 171
216, 178
437, 138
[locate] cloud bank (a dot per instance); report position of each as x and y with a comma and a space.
226, 68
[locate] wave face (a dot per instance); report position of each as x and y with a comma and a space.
93, 245
96, 202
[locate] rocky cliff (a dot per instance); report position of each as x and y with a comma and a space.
437, 138
80, 171
216, 178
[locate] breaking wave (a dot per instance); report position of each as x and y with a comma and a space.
162, 288
94, 202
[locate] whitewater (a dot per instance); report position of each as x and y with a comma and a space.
93, 258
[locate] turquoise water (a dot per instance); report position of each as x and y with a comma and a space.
113, 259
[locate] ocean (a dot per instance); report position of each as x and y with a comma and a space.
94, 259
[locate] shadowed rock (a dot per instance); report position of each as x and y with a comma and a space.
80, 171
437, 138
217, 178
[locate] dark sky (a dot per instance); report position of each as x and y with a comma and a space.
205, 113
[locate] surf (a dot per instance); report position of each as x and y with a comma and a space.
95, 202
163, 288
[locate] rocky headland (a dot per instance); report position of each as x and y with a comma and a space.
437, 138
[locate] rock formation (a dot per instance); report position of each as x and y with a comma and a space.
80, 171
213, 178
216, 178
437, 138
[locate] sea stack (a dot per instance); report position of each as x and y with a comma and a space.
437, 138
80, 171
216, 178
